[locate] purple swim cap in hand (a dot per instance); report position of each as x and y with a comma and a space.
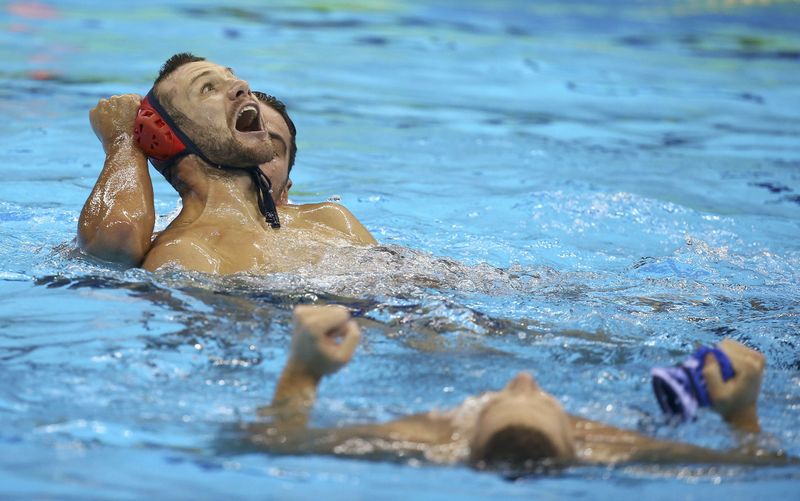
681, 390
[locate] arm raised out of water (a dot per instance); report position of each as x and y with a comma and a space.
518, 426
324, 340
116, 223
734, 400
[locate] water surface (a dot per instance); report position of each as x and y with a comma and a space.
582, 191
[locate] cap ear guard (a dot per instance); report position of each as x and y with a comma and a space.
154, 135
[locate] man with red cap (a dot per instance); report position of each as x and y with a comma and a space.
228, 152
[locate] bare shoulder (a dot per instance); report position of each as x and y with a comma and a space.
325, 210
337, 217
179, 250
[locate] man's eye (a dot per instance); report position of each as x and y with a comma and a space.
207, 88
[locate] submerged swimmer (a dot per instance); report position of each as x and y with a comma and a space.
519, 426
222, 226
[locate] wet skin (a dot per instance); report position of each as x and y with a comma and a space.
218, 231
534, 425
218, 112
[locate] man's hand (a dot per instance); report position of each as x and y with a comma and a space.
113, 118
735, 399
325, 338
116, 223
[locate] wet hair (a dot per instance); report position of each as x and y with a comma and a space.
277, 105
515, 446
175, 62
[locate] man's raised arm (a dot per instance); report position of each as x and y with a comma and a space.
324, 340
116, 223
734, 400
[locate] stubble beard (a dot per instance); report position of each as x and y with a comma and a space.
219, 146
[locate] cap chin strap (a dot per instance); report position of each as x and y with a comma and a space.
262, 183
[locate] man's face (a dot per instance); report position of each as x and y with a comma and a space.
218, 112
277, 169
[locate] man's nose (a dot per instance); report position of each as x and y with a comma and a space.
238, 89
523, 382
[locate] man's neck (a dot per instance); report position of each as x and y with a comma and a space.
215, 195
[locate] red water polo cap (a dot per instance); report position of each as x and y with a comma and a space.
153, 133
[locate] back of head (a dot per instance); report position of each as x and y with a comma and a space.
515, 446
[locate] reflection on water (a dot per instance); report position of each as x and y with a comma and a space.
581, 190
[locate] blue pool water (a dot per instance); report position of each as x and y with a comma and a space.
583, 190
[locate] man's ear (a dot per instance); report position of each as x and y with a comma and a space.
284, 198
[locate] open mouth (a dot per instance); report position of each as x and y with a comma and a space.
248, 119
